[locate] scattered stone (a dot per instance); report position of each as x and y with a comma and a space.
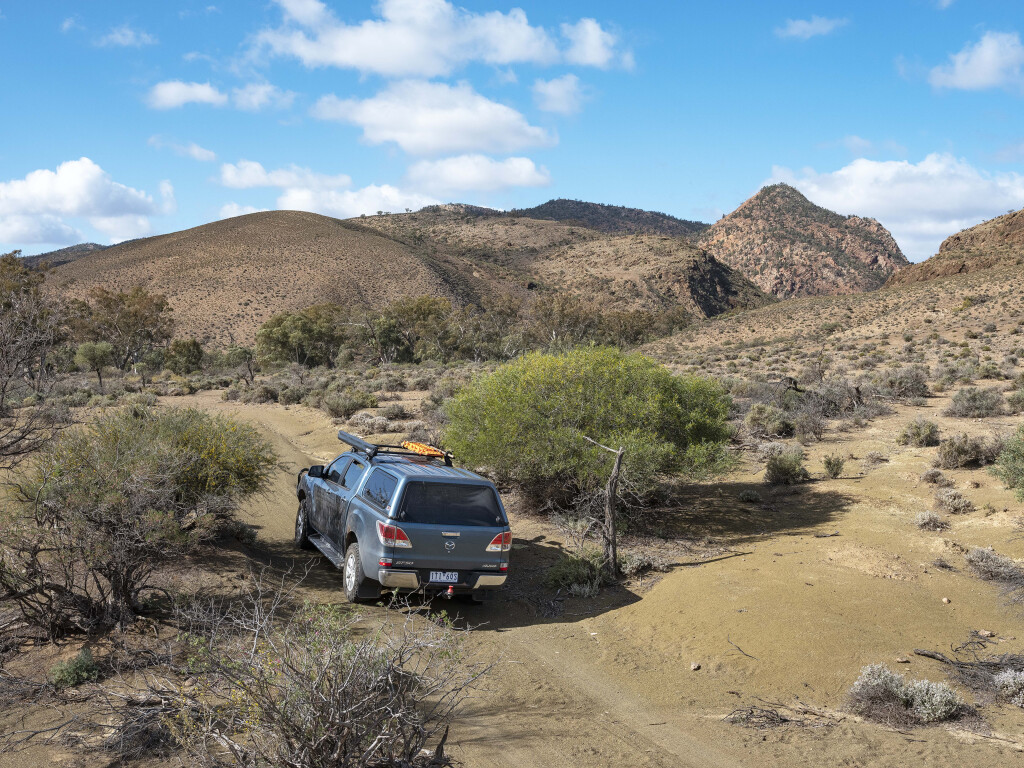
946, 600
985, 633
695, 666
902, 660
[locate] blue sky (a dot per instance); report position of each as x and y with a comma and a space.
124, 119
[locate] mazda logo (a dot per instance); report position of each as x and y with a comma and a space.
449, 545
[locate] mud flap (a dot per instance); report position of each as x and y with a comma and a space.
369, 590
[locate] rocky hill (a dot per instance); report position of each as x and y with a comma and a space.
613, 219
227, 278
789, 246
993, 243
63, 255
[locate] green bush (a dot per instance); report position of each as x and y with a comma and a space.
976, 403
786, 467
766, 420
1015, 401
834, 464
184, 356
920, 433
342, 405
104, 506
81, 669
580, 574
903, 383
1009, 467
526, 422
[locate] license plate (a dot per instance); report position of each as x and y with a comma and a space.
444, 577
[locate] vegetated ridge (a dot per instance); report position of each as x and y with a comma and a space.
613, 219
789, 246
227, 278
993, 243
63, 255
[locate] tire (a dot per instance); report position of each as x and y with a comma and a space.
353, 576
302, 525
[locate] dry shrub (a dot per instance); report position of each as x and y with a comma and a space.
962, 450
953, 502
929, 521
977, 403
920, 433
887, 697
935, 477
992, 566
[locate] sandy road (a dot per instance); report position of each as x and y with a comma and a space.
550, 701
608, 681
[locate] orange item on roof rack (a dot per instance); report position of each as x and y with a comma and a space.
423, 449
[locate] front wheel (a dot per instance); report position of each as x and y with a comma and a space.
302, 525
354, 576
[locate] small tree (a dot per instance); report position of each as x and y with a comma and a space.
95, 356
133, 322
1010, 466
184, 356
103, 507
31, 326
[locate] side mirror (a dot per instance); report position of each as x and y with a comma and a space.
317, 470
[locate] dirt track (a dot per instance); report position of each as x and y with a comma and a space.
788, 616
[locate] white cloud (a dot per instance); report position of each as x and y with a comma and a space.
230, 210
804, 29
476, 173
18, 229
120, 228
256, 96
123, 37
920, 203
191, 149
171, 94
944, 4
432, 118
69, 24
589, 44
427, 38
348, 203
561, 94
36, 207
247, 174
995, 61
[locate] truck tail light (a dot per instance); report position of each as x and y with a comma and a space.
501, 543
503, 567
392, 536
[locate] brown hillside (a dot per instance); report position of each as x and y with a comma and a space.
626, 272
790, 247
996, 242
227, 278
612, 219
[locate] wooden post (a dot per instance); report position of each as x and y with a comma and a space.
611, 553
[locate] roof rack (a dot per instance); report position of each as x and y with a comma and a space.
406, 449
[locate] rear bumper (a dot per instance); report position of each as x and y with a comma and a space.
394, 579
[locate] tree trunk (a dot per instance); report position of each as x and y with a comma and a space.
99, 375
611, 555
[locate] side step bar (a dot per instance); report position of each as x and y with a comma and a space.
336, 557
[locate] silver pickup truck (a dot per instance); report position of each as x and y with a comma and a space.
403, 518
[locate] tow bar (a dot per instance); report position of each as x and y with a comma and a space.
450, 593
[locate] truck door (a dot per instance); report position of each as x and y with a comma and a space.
325, 497
347, 486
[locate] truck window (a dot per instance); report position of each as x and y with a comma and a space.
337, 470
380, 487
353, 475
450, 504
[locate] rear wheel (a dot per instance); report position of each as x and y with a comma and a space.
354, 576
302, 525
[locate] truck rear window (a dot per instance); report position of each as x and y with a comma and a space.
450, 504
